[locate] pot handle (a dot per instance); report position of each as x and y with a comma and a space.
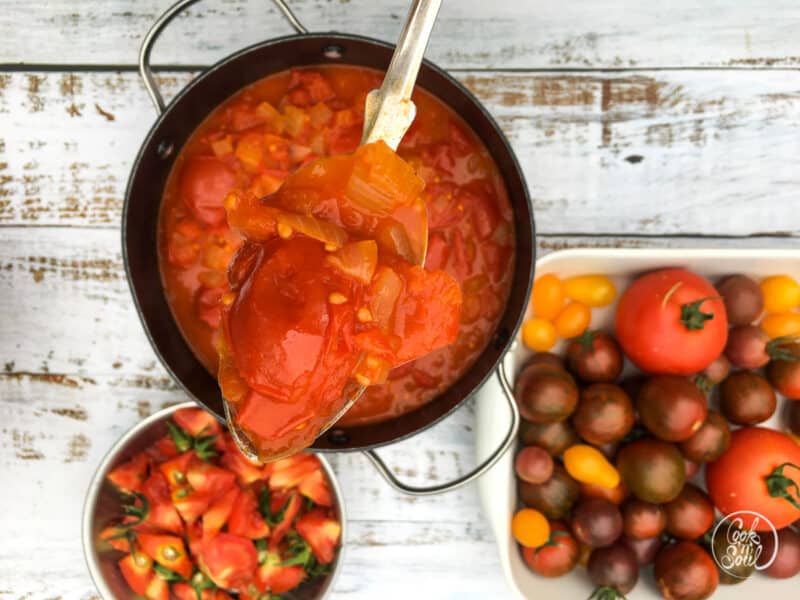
152, 35
511, 435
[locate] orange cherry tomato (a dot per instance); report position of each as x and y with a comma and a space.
781, 293
594, 290
530, 528
781, 324
548, 297
539, 335
573, 320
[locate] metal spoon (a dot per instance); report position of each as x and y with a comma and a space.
388, 113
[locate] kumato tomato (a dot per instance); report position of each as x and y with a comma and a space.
555, 558
596, 522
784, 373
555, 497
653, 470
684, 571
672, 408
644, 549
760, 472
604, 414
642, 520
671, 321
710, 441
533, 464
595, 357
787, 559
614, 567
743, 299
553, 437
746, 398
545, 394
689, 515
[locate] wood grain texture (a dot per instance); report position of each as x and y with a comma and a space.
649, 153
470, 33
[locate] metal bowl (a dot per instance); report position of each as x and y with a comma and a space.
102, 506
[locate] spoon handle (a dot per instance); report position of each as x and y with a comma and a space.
389, 110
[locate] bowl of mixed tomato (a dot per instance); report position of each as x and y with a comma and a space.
175, 511
257, 116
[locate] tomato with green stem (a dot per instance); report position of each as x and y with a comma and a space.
321, 532
671, 321
760, 471
168, 551
130, 475
556, 557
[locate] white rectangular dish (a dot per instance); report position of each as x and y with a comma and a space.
498, 487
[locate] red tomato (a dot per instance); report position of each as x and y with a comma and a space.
760, 471
205, 181
205, 478
175, 470
289, 472
130, 475
321, 532
162, 514
556, 557
190, 503
245, 520
246, 472
157, 589
229, 560
672, 322
197, 422
287, 505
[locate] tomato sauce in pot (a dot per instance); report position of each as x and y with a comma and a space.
256, 138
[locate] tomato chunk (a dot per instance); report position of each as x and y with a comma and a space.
130, 475
168, 551
229, 560
321, 532
205, 181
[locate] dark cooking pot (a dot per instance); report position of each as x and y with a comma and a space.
176, 123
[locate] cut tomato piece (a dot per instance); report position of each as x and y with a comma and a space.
157, 589
194, 538
162, 514
244, 519
190, 503
289, 472
164, 449
205, 478
175, 470
168, 551
205, 181
284, 506
114, 536
246, 472
137, 571
130, 475
216, 516
229, 560
197, 422
321, 532
315, 487
278, 579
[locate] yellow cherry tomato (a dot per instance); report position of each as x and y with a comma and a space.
573, 320
587, 464
539, 335
530, 528
592, 290
781, 324
548, 297
781, 294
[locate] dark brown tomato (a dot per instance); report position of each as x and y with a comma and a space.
710, 441
691, 468
787, 560
718, 370
747, 347
746, 398
595, 357
653, 470
684, 571
545, 394
671, 407
557, 557
689, 515
533, 464
633, 384
731, 550
555, 497
742, 297
596, 521
784, 371
614, 567
553, 437
642, 520
793, 417
604, 414
645, 550
545, 359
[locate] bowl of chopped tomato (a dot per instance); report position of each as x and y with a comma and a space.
175, 511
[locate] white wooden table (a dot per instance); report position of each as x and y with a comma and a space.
638, 124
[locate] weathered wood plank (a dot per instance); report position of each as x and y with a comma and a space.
469, 33
663, 152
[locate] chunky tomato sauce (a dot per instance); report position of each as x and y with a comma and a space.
253, 141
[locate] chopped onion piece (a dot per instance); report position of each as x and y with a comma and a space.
384, 292
325, 232
357, 260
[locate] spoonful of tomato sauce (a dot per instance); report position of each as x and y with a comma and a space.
328, 294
